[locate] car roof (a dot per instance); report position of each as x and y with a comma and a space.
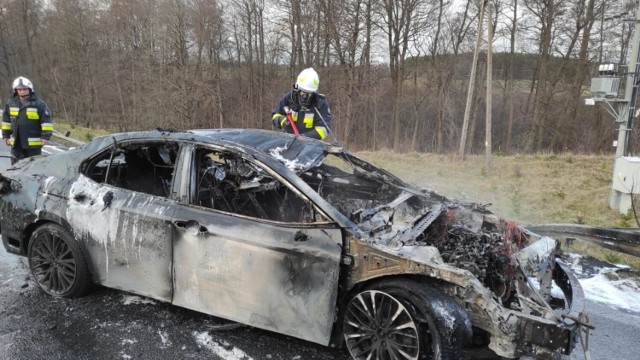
294, 152
282, 146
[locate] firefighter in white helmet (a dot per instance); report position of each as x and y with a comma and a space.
309, 110
26, 121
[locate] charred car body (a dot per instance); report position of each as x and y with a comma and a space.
291, 235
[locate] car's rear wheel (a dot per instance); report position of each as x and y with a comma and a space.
396, 320
57, 263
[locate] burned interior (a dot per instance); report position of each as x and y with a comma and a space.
227, 182
223, 180
142, 167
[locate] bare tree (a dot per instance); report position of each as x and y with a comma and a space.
586, 13
249, 33
16, 39
488, 119
471, 86
441, 76
347, 27
547, 13
74, 23
510, 79
388, 67
401, 21
209, 35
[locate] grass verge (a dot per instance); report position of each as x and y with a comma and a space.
79, 132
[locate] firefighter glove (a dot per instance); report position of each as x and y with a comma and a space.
286, 127
280, 121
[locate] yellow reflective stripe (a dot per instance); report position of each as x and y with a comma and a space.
46, 126
11, 141
13, 111
276, 115
35, 142
32, 114
6, 126
321, 131
308, 121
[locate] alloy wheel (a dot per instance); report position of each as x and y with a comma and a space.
379, 327
52, 263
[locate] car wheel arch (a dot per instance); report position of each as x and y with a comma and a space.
49, 218
451, 319
44, 217
28, 232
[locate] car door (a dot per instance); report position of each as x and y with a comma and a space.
256, 268
127, 233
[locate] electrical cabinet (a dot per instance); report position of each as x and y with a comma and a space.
606, 87
626, 178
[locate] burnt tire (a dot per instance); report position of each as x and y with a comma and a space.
57, 263
402, 319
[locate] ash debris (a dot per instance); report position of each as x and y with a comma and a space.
485, 250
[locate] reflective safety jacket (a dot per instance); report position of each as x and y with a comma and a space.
308, 121
26, 124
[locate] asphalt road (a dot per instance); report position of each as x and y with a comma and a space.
109, 324
617, 334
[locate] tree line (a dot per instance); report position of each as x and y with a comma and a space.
395, 71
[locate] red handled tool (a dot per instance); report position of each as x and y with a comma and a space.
291, 122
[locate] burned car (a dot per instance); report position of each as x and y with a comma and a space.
291, 235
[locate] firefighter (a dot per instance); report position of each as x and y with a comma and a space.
309, 110
26, 122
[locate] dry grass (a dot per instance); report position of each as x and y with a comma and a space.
530, 189
79, 132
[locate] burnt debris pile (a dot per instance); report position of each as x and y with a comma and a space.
486, 250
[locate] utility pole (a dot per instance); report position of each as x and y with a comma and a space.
626, 169
487, 142
472, 84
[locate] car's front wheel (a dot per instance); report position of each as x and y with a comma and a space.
57, 263
404, 320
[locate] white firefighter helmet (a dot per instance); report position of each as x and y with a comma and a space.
308, 80
22, 83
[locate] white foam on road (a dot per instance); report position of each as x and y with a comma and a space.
220, 348
607, 287
133, 299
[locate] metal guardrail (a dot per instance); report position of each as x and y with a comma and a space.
65, 137
623, 240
